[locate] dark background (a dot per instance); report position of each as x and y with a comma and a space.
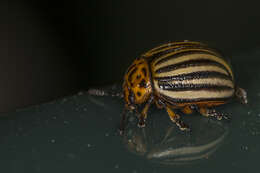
50, 49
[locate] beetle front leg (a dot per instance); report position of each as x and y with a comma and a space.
143, 115
212, 113
176, 119
142, 119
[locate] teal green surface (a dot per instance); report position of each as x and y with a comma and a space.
79, 134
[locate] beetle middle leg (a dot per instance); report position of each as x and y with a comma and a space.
187, 110
209, 112
176, 119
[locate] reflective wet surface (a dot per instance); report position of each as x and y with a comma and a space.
79, 134
162, 142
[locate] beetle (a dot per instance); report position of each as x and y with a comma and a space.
184, 75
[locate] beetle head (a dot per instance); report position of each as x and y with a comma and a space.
137, 87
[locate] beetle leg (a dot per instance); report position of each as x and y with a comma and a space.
212, 113
187, 110
143, 115
176, 119
241, 95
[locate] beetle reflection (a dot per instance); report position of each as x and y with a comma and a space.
165, 144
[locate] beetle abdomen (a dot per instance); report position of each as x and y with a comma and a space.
188, 72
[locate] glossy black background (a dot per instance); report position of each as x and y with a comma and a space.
54, 48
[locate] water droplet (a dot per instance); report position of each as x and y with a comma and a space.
53, 141
64, 100
89, 145
244, 147
71, 156
107, 134
20, 129
80, 93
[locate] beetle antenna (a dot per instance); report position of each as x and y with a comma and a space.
100, 92
113, 91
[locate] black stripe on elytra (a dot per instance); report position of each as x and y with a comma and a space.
194, 75
188, 51
131, 74
179, 43
174, 101
176, 48
190, 63
193, 87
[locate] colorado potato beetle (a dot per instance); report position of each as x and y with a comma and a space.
185, 75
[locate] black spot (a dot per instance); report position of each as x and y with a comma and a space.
138, 76
139, 94
130, 68
142, 84
131, 74
144, 71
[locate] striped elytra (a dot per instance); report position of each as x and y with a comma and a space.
184, 75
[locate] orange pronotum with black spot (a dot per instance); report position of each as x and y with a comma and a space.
137, 82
